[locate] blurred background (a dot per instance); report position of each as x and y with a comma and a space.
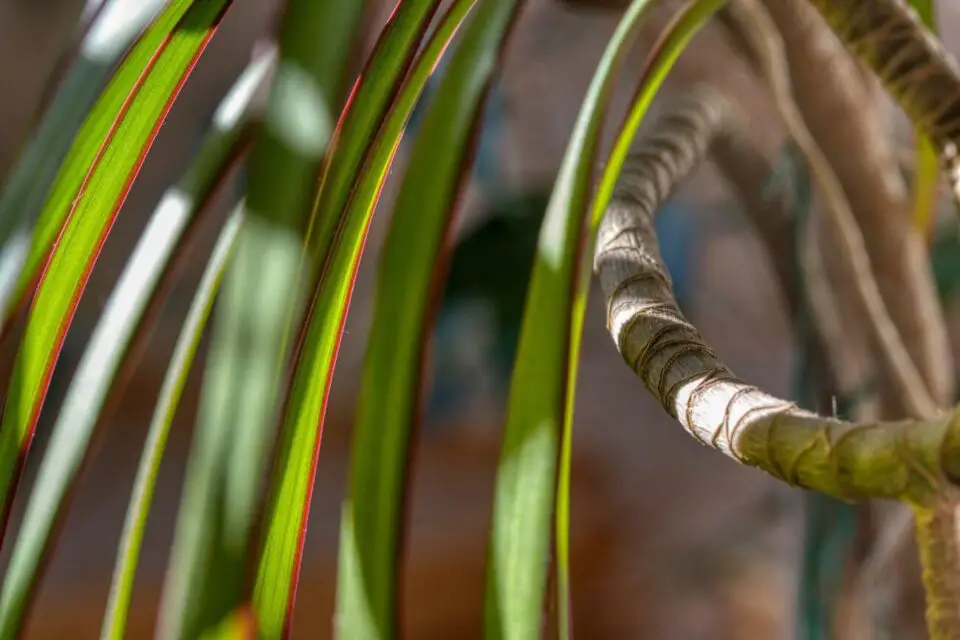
670, 540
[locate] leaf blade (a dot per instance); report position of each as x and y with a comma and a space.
71, 139
291, 492
106, 183
170, 393
51, 314
30, 179
539, 416
372, 517
261, 301
196, 186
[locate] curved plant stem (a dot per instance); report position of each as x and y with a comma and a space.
889, 37
908, 460
895, 245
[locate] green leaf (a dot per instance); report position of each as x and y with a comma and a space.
260, 304
238, 404
179, 205
926, 179
927, 11
176, 377
372, 517
137, 291
186, 28
540, 411
375, 91
524, 495
65, 126
291, 488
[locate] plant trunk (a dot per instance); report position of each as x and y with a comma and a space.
843, 119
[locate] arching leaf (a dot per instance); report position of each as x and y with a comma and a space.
372, 519
540, 411
184, 29
260, 304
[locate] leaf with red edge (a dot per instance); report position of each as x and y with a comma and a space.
175, 41
365, 142
259, 308
118, 339
372, 519
50, 169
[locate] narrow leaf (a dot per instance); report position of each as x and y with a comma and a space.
291, 490
540, 411
261, 301
170, 392
92, 210
137, 291
541, 383
371, 98
25, 189
372, 519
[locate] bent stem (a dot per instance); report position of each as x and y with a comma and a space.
909, 460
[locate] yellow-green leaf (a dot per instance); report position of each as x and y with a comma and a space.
926, 178
92, 192
540, 410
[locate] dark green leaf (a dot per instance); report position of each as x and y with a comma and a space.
372, 517
291, 488
260, 305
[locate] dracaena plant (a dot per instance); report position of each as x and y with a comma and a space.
315, 153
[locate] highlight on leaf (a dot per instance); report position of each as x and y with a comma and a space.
291, 493
184, 30
111, 29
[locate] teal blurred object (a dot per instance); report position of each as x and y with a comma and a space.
945, 259
678, 235
829, 535
478, 323
830, 524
